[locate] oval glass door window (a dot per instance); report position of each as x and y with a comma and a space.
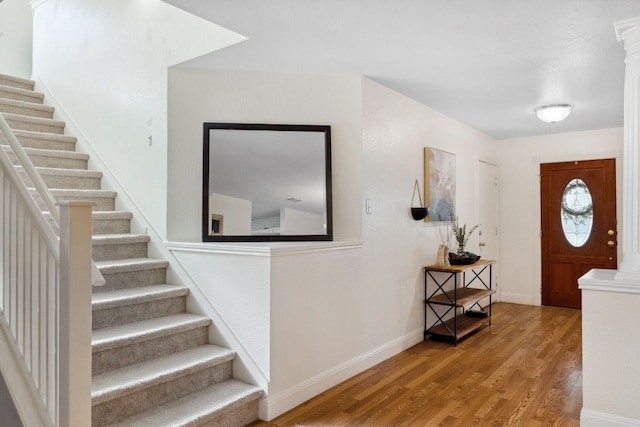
576, 212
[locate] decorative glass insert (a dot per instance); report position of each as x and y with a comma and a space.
576, 212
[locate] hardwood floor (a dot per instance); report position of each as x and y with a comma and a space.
523, 370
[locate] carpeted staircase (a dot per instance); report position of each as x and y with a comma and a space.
152, 361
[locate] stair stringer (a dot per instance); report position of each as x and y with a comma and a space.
245, 367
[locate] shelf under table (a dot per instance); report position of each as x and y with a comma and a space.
464, 296
466, 325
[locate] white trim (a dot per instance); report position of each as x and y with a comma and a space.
496, 268
517, 298
608, 281
37, 3
591, 418
257, 249
625, 24
274, 405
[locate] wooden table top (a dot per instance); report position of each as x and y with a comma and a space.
459, 268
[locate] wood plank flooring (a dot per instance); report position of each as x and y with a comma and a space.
523, 370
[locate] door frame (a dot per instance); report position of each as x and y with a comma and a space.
536, 228
496, 267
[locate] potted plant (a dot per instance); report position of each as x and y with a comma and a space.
461, 236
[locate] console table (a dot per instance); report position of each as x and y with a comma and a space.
461, 303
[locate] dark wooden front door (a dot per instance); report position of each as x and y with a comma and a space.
578, 203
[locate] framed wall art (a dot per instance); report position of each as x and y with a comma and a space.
439, 184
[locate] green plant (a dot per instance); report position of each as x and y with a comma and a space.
460, 234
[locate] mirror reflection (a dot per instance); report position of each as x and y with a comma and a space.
266, 182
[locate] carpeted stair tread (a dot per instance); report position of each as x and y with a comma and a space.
131, 333
47, 137
132, 378
138, 295
111, 215
111, 239
11, 92
17, 82
65, 179
82, 193
77, 173
106, 215
20, 122
51, 158
25, 108
111, 222
130, 264
195, 408
60, 154
104, 199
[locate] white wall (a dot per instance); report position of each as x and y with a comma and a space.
333, 310
198, 96
294, 221
105, 61
336, 313
236, 213
520, 159
15, 38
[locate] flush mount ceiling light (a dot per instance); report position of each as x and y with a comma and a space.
553, 113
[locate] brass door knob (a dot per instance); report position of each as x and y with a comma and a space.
482, 244
611, 232
611, 243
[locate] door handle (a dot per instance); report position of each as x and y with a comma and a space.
611, 232
611, 243
482, 244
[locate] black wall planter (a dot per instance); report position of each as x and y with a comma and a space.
419, 213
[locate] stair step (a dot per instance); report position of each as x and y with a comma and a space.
34, 124
123, 345
145, 330
112, 308
58, 159
134, 296
104, 199
111, 222
106, 222
43, 140
68, 179
129, 273
19, 94
231, 403
129, 265
26, 108
16, 82
135, 388
120, 246
124, 381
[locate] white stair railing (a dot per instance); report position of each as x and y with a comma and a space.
45, 293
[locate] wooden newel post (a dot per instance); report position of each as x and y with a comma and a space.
74, 340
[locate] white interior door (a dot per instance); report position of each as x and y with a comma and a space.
488, 202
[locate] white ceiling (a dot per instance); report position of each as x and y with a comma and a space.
486, 63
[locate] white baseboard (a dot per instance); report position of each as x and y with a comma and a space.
277, 404
516, 298
590, 418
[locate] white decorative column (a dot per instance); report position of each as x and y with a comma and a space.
628, 31
610, 298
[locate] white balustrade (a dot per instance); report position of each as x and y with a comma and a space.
45, 293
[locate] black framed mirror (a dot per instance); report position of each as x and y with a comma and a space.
266, 182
